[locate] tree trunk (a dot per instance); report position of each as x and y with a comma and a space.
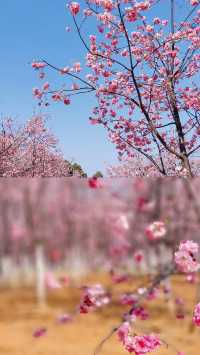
40, 274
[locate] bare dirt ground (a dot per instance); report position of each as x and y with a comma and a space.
19, 317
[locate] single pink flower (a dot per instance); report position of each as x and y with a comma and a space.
51, 282
194, 2
46, 86
156, 230
74, 8
123, 332
67, 101
39, 332
38, 65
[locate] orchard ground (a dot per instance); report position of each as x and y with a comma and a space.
20, 317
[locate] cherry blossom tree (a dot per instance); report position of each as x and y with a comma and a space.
30, 150
143, 69
139, 166
27, 237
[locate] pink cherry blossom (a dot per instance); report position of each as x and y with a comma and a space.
156, 230
189, 246
46, 86
128, 299
138, 256
131, 14
93, 297
123, 331
121, 224
186, 257
39, 332
194, 2
139, 344
38, 65
140, 313
191, 278
66, 101
196, 315
157, 21
143, 5
142, 344
74, 8
77, 67
51, 281
64, 70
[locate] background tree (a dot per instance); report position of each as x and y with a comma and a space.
98, 174
139, 166
76, 169
31, 150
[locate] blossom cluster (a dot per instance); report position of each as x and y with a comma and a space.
138, 344
93, 297
186, 257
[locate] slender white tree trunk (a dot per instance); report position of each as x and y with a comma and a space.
6, 270
40, 274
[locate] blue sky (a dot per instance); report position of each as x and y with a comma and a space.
36, 29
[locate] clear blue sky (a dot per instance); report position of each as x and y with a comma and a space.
36, 29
